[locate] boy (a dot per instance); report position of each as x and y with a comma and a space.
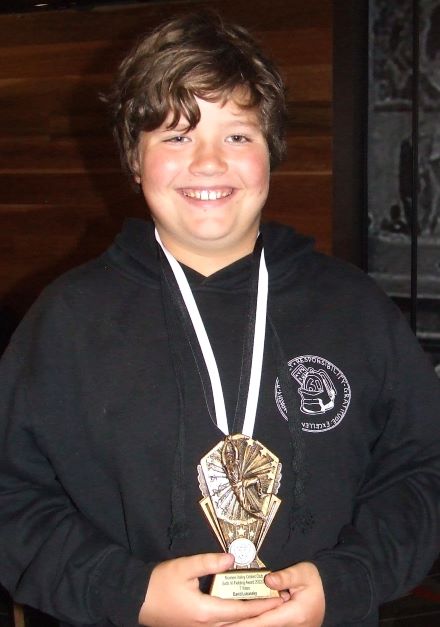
130, 369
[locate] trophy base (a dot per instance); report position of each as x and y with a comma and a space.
242, 584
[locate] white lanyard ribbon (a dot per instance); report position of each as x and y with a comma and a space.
205, 345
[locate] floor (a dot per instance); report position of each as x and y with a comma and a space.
421, 608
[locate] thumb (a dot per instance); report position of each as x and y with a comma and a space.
281, 580
209, 563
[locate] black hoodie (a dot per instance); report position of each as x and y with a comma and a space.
104, 419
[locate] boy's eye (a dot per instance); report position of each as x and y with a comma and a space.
177, 139
238, 139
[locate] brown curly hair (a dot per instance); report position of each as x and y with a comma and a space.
198, 55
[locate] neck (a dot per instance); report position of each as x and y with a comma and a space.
208, 265
210, 261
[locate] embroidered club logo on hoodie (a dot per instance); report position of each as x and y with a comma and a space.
323, 393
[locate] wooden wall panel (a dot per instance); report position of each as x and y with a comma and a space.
62, 194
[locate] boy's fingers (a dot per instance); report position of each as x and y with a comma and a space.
281, 580
241, 610
206, 564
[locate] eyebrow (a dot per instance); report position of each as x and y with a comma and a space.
241, 120
238, 119
180, 128
242, 124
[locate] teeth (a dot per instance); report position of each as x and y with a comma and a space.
205, 194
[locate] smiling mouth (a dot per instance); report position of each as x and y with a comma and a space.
207, 194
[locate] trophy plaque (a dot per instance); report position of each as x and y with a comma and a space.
239, 479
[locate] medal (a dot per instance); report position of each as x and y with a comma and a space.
239, 478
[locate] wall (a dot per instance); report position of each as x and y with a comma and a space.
62, 196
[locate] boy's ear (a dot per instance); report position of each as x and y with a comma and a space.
135, 168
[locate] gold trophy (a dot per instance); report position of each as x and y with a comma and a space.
239, 479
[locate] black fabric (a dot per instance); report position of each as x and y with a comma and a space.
248, 341
299, 472
178, 526
101, 404
175, 298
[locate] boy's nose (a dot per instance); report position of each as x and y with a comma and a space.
208, 159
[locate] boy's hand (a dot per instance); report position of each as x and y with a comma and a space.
304, 602
174, 598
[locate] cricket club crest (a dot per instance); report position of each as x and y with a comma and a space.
324, 392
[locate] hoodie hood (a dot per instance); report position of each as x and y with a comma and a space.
134, 253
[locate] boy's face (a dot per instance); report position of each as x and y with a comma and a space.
206, 188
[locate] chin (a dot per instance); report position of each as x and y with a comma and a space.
211, 232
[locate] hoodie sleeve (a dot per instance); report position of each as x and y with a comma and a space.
51, 556
395, 533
